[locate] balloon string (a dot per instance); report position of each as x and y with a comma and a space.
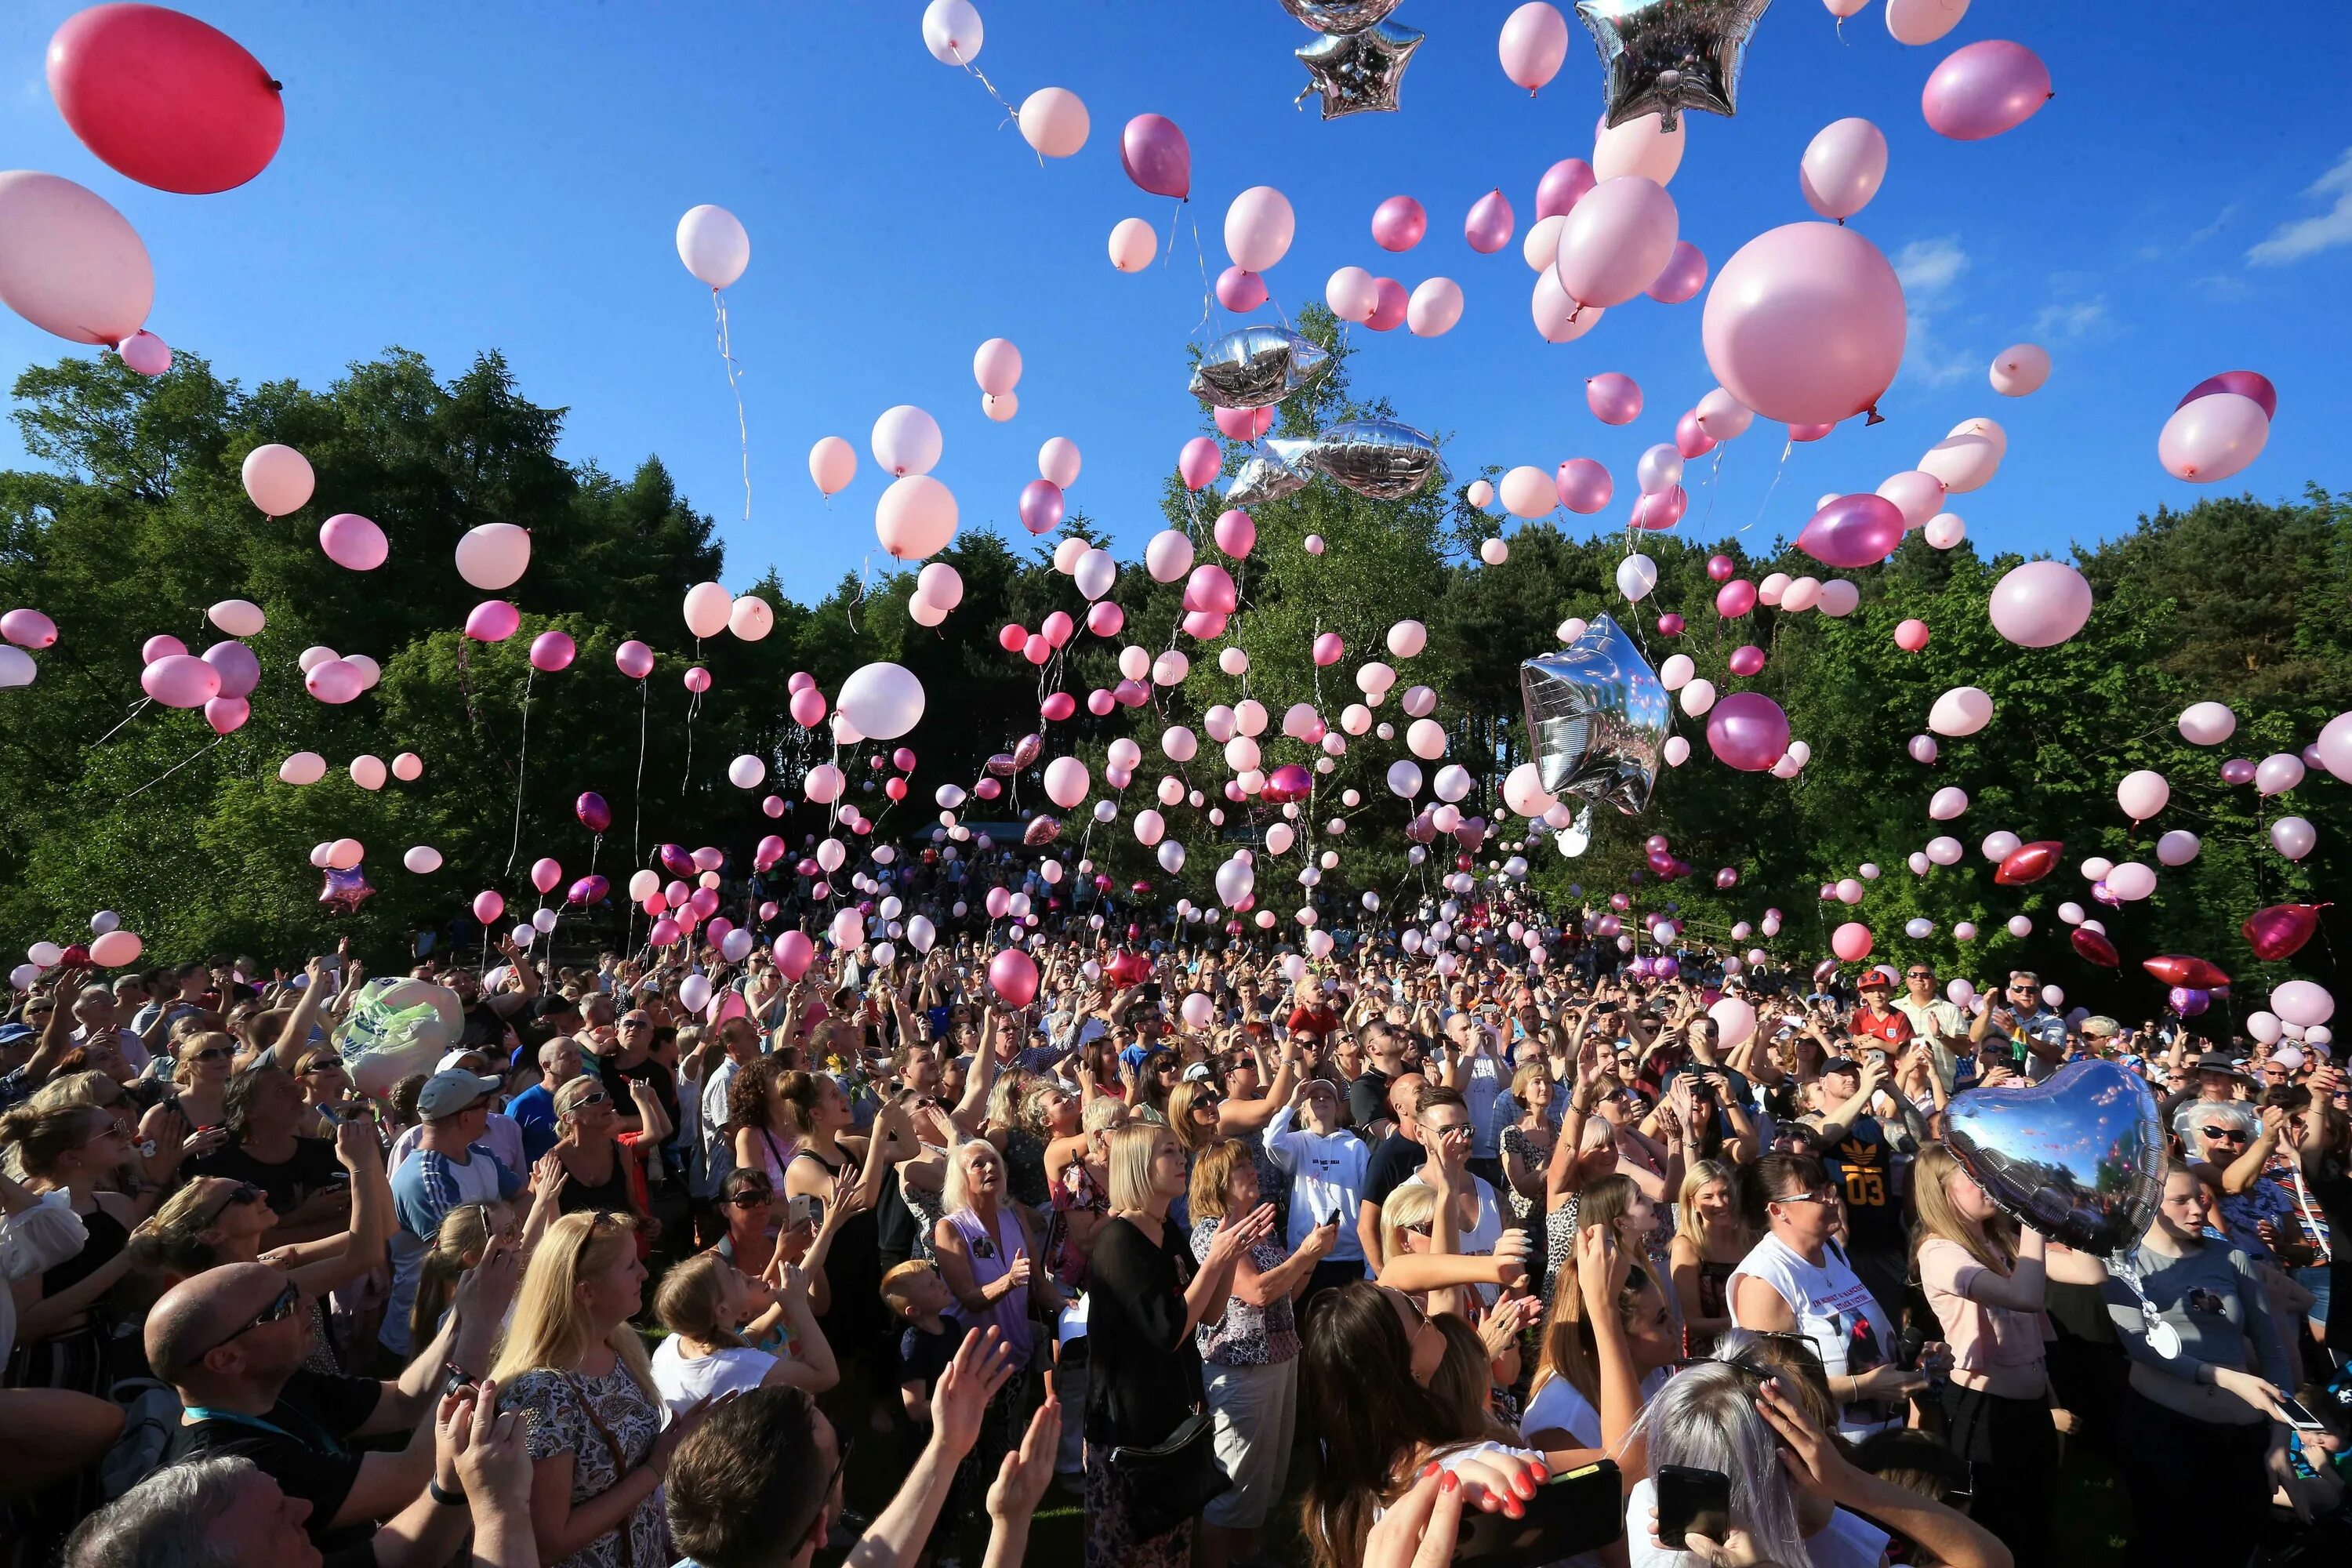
1714, 483
1208, 289
136, 708
1781, 468
175, 768
522, 759
742, 431
637, 821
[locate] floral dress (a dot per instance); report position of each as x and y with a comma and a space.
588, 1417
1074, 1191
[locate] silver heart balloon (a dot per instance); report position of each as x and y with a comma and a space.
1597, 717
1340, 15
1359, 73
1272, 471
2079, 1157
1257, 367
1666, 56
1379, 459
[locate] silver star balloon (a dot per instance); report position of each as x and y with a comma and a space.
1275, 470
1257, 367
1340, 17
1379, 459
1359, 72
1597, 717
1666, 55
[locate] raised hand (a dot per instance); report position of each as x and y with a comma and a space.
960, 1397
1022, 1479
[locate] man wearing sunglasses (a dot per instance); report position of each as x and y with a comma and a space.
232, 1342
2037, 1035
451, 1167
1935, 1020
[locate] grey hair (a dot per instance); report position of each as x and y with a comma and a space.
1706, 1417
2191, 1119
954, 1194
165, 1521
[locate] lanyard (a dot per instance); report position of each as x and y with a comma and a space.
203, 1413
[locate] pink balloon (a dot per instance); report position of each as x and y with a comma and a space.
1056, 629
1662, 510
226, 715
1013, 976
1911, 635
29, 628
1746, 660
1239, 288
1198, 463
145, 354
633, 660
1850, 941
1614, 398
489, 905
1748, 730
1843, 168
551, 651
1852, 531
2213, 437
1917, 496
73, 266
1037, 649
1105, 619
1399, 223
1689, 440
1735, 598
1617, 241
181, 680
493, 620
1985, 89
1395, 302
1061, 705
1209, 591
334, 681
545, 874
2244, 383
696, 679
1805, 324
1328, 648
1156, 156
162, 645
1243, 424
1684, 275
795, 953
914, 518
239, 670
277, 480
1801, 434
352, 541
2040, 604
1490, 223
1234, 534
1562, 186
1584, 485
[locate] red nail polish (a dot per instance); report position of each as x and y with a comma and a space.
1450, 1483
1430, 1469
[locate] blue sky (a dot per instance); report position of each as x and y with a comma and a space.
506, 175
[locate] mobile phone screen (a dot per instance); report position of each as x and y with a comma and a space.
2298, 1416
1692, 1499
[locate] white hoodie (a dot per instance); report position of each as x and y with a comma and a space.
1327, 1178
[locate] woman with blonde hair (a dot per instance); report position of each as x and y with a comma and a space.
598, 1447
198, 1095
718, 1315
466, 1233
1710, 1238
1563, 1413
1985, 1275
1078, 1172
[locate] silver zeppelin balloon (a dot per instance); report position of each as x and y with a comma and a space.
2079, 1157
1379, 459
1597, 717
1666, 55
1358, 73
1257, 367
1340, 15
1273, 471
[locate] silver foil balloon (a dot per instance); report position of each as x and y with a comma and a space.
1257, 367
1275, 470
1359, 73
1666, 55
1380, 458
2079, 1157
1597, 717
1340, 16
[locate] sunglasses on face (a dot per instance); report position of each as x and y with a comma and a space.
243, 1192
753, 1200
326, 1063
209, 1054
2222, 1135
279, 1309
1825, 1195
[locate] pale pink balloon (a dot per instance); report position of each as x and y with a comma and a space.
1917, 496
1527, 492
2213, 437
70, 263
161, 645
2020, 370
1923, 21
1388, 311
1561, 187
1533, 43
1558, 318
1399, 223
1238, 289
1234, 534
833, 463
1842, 167
1911, 635
144, 354
1490, 223
1351, 294
1641, 146
1945, 530
1434, 308
29, 628
408, 767
996, 366
1057, 461
334, 681
1963, 463
915, 517
353, 542
1617, 241
1684, 275
1053, 121
1134, 244
1805, 324
1614, 397
1540, 248
1258, 228
2294, 836
1583, 486
1984, 89
2143, 792
1198, 463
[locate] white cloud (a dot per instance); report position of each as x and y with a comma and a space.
2310, 235
2071, 317
1930, 266
1927, 270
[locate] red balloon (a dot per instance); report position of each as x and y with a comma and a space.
2178, 969
165, 99
2028, 863
2280, 930
2095, 946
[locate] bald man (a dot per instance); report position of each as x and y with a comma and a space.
232, 1342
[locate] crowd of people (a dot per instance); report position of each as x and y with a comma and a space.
1375, 1259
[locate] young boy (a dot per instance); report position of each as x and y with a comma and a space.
921, 1299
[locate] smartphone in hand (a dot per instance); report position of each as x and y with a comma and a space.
1692, 1501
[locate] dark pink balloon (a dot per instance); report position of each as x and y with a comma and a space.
1244, 424
1490, 223
551, 651
1399, 223
2238, 771
1803, 433
1852, 531
1747, 659
1058, 707
1583, 486
1689, 440
1238, 289
1985, 89
1735, 598
1156, 156
2244, 383
1719, 568
1748, 730
1661, 509
1683, 276
1670, 624
1614, 397
1388, 314
1040, 506
1562, 186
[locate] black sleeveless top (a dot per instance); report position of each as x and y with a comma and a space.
853, 1270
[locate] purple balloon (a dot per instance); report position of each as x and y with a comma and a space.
1985, 89
1562, 186
1040, 506
2189, 1001
1852, 531
239, 670
1683, 276
1748, 730
1156, 156
593, 814
2238, 771
2244, 383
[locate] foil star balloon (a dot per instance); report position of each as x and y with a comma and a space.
1666, 55
1275, 469
1257, 367
346, 890
1597, 717
1340, 17
1359, 72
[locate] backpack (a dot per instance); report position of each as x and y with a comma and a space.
151, 1414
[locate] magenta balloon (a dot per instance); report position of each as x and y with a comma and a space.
1584, 486
1735, 598
593, 814
1198, 463
1562, 186
633, 660
493, 620
2244, 383
1684, 275
1748, 730
1662, 510
1399, 223
1392, 302
1719, 568
1852, 531
1747, 659
1985, 89
1013, 976
1614, 398
1156, 156
1239, 288
1617, 241
551, 651
240, 671
1042, 506
181, 680
1490, 223
1689, 440
1805, 324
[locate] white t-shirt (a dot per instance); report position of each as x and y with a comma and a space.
1848, 1541
1837, 1311
1327, 1178
1479, 1240
1558, 1406
685, 1382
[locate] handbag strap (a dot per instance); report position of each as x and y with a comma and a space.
624, 1530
